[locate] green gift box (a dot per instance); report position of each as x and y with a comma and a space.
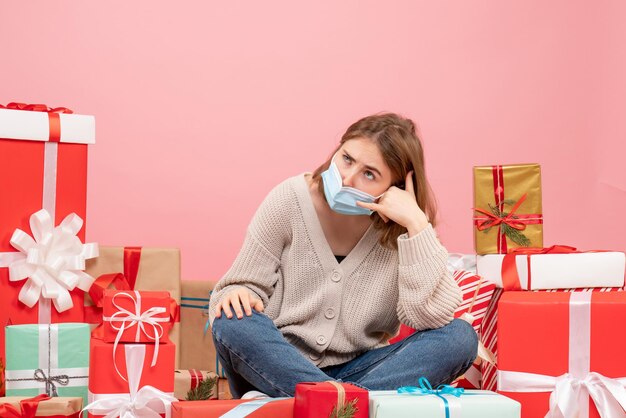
470, 404
51, 359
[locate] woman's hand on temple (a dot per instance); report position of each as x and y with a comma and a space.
401, 207
241, 301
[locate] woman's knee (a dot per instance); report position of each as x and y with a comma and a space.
232, 330
463, 341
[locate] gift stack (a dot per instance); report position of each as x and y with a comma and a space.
133, 339
549, 324
45, 270
43, 152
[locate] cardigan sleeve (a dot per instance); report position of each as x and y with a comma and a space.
428, 295
257, 266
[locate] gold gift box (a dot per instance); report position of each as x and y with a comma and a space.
510, 183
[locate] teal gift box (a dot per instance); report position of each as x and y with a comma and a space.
470, 404
51, 359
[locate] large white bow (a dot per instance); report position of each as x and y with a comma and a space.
570, 392
609, 395
147, 402
52, 260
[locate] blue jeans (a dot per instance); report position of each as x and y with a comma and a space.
256, 356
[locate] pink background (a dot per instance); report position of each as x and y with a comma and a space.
203, 106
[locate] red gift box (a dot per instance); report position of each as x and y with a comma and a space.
135, 375
43, 161
267, 408
136, 316
564, 341
318, 399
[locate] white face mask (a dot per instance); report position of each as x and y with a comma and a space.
343, 199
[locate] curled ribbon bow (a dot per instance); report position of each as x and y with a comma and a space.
52, 260
137, 318
493, 220
51, 388
425, 388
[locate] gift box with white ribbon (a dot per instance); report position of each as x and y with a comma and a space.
47, 359
560, 353
136, 316
131, 377
43, 171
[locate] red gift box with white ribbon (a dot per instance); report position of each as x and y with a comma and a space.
136, 316
142, 377
43, 167
559, 353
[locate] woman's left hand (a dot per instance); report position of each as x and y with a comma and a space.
401, 207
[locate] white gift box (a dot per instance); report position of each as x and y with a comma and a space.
558, 271
471, 404
35, 126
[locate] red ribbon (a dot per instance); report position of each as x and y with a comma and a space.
196, 378
518, 222
510, 277
132, 258
119, 281
28, 409
54, 120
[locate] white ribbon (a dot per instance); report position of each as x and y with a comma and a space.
244, 409
48, 374
141, 319
570, 392
52, 260
147, 402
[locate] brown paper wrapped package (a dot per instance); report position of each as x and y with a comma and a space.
183, 380
53, 406
159, 269
196, 346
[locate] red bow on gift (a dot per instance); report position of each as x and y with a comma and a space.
28, 409
36, 108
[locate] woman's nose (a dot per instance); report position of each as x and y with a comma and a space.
348, 178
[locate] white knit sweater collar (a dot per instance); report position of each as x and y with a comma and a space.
367, 242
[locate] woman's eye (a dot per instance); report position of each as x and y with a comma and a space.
346, 158
369, 175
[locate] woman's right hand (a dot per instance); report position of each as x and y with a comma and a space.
238, 299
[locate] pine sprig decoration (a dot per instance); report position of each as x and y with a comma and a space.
513, 234
346, 411
203, 391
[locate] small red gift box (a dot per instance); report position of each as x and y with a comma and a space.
137, 375
555, 348
259, 408
318, 399
136, 316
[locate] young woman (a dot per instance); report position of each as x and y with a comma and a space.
332, 263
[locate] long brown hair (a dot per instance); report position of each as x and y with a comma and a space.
402, 151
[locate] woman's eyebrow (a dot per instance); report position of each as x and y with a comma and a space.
369, 167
